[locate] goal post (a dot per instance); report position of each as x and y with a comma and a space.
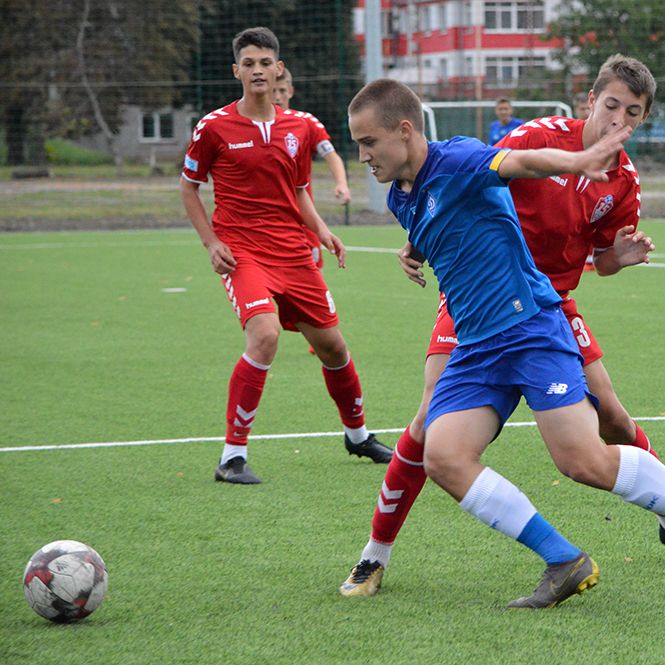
473, 118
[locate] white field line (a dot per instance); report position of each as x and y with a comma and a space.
192, 242
253, 437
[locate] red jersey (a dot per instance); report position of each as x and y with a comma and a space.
564, 217
319, 140
255, 168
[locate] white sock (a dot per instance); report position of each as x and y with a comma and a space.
641, 479
230, 451
376, 551
496, 502
357, 434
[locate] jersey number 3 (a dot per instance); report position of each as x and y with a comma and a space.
581, 335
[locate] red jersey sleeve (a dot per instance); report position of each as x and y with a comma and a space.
319, 137
202, 151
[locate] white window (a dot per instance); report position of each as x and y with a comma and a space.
424, 22
157, 126
443, 16
443, 69
510, 71
515, 16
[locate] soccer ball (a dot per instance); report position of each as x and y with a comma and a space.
65, 581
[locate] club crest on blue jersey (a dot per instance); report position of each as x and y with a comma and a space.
291, 142
431, 204
604, 205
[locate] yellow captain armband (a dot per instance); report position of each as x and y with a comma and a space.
498, 158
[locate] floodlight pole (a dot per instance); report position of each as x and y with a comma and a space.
373, 71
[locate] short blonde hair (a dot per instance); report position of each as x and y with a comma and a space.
393, 102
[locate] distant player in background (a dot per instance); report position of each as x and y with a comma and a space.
320, 145
259, 159
561, 218
505, 123
581, 108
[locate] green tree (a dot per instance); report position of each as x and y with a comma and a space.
316, 43
593, 30
68, 66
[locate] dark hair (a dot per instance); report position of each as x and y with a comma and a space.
393, 102
502, 100
630, 71
260, 37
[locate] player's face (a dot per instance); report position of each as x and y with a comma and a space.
257, 69
504, 112
582, 110
282, 93
615, 106
383, 150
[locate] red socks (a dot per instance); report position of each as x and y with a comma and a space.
403, 481
245, 390
344, 387
642, 441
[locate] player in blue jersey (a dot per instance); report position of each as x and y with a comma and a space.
504, 123
513, 338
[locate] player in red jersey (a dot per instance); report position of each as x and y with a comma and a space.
259, 160
562, 218
320, 144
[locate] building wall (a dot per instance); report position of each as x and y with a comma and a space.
465, 48
148, 136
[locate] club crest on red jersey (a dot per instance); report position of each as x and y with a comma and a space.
291, 142
604, 205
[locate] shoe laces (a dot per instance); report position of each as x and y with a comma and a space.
364, 569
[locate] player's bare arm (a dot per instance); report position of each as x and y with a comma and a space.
592, 162
336, 166
411, 263
630, 248
313, 220
221, 257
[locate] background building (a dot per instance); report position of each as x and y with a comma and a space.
467, 49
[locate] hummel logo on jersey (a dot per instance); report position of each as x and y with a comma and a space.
238, 146
443, 339
557, 389
256, 303
517, 305
559, 180
603, 206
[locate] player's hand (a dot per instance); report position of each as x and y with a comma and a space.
411, 265
335, 246
221, 258
632, 247
343, 194
599, 158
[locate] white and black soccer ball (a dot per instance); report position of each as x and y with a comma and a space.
65, 581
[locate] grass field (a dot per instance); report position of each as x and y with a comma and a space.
97, 348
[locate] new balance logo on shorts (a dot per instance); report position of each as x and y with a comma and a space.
557, 389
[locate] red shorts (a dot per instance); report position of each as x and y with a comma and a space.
315, 244
444, 340
301, 294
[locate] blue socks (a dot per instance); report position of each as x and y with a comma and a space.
541, 537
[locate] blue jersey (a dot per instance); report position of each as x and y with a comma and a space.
498, 131
460, 216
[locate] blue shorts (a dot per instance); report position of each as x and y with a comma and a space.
537, 358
